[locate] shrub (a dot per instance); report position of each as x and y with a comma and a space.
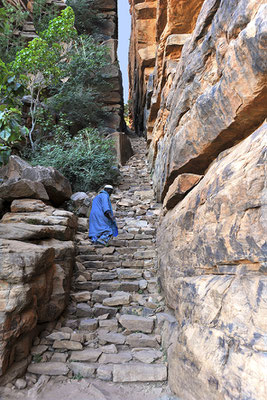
12, 19
42, 14
86, 20
87, 159
77, 95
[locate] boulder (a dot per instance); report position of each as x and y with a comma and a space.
14, 168
80, 204
56, 185
22, 188
21, 180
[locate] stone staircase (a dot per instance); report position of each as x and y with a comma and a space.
112, 327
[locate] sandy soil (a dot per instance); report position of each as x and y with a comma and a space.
86, 389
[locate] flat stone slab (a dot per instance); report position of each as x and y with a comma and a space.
67, 344
110, 337
82, 369
142, 340
104, 276
58, 336
119, 358
81, 296
118, 299
147, 356
49, 368
129, 273
104, 372
89, 355
88, 324
135, 323
139, 373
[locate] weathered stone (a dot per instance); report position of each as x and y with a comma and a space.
27, 205
147, 356
179, 188
109, 324
81, 296
111, 337
103, 276
129, 273
109, 349
118, 298
58, 336
82, 369
119, 358
89, 325
205, 287
88, 355
49, 368
77, 337
102, 310
67, 344
59, 357
139, 373
17, 370
40, 349
141, 340
20, 384
56, 185
16, 189
104, 372
26, 232
123, 147
84, 310
146, 254
135, 323
99, 295
21, 261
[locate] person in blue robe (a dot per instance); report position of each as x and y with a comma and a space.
102, 223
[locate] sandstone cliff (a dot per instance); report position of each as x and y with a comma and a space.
198, 89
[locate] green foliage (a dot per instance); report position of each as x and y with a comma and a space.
86, 20
87, 159
77, 95
78, 377
40, 60
12, 19
42, 55
10, 89
11, 131
42, 14
61, 29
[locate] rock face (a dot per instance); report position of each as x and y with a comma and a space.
201, 102
21, 180
107, 11
36, 261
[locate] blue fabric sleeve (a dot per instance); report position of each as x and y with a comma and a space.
105, 202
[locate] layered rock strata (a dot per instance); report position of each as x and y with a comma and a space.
36, 262
203, 112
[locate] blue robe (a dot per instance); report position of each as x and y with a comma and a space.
99, 224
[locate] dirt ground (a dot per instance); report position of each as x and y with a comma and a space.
58, 389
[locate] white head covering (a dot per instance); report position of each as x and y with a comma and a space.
108, 187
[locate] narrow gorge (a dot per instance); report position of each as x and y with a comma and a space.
175, 308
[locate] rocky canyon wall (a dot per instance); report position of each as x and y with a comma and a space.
198, 91
37, 256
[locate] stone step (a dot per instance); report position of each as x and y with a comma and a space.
139, 373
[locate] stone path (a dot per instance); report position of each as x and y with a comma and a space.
111, 330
